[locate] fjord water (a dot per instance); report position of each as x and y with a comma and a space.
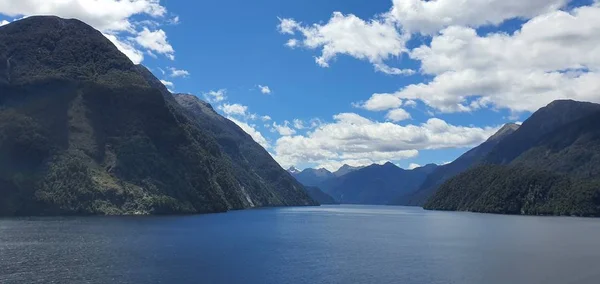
328, 244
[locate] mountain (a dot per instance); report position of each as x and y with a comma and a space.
376, 184
320, 196
313, 177
345, 169
445, 172
292, 170
85, 131
555, 170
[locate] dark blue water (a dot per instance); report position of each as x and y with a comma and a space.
335, 244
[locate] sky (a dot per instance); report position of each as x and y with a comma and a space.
326, 83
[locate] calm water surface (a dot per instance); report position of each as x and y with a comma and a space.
329, 244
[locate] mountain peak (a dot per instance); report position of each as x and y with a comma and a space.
42, 48
507, 129
293, 170
345, 169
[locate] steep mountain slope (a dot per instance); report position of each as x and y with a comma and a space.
464, 162
376, 184
557, 174
264, 180
544, 121
83, 131
313, 177
320, 196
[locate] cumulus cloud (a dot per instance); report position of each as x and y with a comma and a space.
216, 96
178, 72
353, 137
234, 109
398, 115
112, 17
4, 22
413, 166
379, 102
167, 84
283, 130
265, 118
428, 17
155, 41
251, 130
375, 41
553, 56
264, 89
135, 55
298, 124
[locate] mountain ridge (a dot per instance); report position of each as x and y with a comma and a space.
556, 174
84, 131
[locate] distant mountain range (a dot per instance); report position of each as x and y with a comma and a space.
550, 165
375, 184
85, 131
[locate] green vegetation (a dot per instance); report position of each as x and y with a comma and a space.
84, 131
557, 174
517, 190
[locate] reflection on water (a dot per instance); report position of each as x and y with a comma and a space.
328, 244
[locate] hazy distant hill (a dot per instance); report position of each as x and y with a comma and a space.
313, 177
345, 169
376, 184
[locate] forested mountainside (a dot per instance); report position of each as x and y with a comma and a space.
461, 164
556, 174
85, 131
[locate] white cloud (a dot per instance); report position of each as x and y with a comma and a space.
315, 122
292, 43
379, 102
4, 22
352, 137
155, 41
264, 89
251, 130
174, 21
410, 103
135, 55
216, 96
265, 118
112, 17
283, 130
105, 15
428, 17
375, 41
178, 72
398, 115
298, 124
167, 84
413, 166
553, 56
234, 109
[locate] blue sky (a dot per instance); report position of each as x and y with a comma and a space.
473, 71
